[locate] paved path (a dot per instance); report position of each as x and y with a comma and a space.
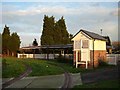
98, 75
51, 81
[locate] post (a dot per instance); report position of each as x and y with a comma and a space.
86, 64
76, 58
54, 53
115, 59
93, 52
33, 53
101, 31
47, 53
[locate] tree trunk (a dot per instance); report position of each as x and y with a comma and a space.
13, 54
8, 53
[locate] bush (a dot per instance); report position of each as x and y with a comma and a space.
62, 59
102, 62
4, 64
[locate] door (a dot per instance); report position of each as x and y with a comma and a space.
85, 52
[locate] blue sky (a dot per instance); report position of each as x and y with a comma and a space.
26, 18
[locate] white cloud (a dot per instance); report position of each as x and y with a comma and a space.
115, 12
30, 19
62, 10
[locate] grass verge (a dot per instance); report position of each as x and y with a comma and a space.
12, 67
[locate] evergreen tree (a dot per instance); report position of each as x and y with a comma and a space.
70, 37
6, 31
57, 34
15, 43
54, 33
6, 40
10, 43
48, 30
35, 43
63, 31
0, 43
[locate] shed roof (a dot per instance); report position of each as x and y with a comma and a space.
49, 47
92, 35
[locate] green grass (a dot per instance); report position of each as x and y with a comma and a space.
41, 67
15, 67
100, 84
70, 68
12, 67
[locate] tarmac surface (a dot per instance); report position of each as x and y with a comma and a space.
99, 75
51, 81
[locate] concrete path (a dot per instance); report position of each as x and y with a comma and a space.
51, 81
76, 79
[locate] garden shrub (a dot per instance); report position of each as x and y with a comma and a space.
62, 59
102, 62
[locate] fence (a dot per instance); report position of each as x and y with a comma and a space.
25, 55
113, 58
44, 56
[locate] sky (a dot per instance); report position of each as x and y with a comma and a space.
26, 18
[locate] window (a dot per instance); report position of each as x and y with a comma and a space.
85, 44
77, 45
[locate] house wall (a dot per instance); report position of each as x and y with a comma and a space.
98, 55
79, 36
98, 45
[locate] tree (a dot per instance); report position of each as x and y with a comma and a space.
70, 37
35, 43
0, 43
6, 40
116, 46
63, 31
48, 30
14, 46
10, 43
54, 33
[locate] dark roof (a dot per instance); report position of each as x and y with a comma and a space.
49, 47
92, 35
31, 47
57, 46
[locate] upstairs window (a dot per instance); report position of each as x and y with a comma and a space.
77, 44
85, 44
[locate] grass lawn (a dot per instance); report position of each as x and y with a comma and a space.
101, 84
70, 68
13, 67
41, 67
